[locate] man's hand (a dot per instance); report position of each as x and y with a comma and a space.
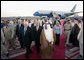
3, 43
16, 36
51, 43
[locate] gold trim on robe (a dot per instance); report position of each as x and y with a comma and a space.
79, 26
52, 35
46, 50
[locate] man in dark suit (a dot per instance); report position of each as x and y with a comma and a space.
27, 38
19, 27
33, 29
37, 32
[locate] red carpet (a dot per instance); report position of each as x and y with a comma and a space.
59, 52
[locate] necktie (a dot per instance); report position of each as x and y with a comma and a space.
24, 31
36, 28
19, 26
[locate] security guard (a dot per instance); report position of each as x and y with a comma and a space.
67, 30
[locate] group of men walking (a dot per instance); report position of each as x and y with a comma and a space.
46, 34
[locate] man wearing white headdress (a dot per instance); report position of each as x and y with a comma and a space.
50, 21
73, 23
47, 41
80, 38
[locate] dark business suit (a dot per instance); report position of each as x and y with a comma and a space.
32, 27
27, 39
18, 31
37, 37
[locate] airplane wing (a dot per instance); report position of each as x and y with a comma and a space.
71, 13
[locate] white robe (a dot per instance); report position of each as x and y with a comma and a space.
80, 38
48, 33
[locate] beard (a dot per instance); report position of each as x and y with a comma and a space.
45, 27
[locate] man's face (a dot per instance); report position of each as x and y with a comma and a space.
26, 24
35, 21
56, 18
68, 22
57, 24
37, 24
72, 20
19, 21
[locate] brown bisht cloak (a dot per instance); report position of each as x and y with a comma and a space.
46, 48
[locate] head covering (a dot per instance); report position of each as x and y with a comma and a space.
79, 21
76, 22
48, 26
6, 22
10, 23
67, 19
48, 33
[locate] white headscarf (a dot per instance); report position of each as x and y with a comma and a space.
48, 32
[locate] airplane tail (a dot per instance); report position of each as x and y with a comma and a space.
73, 8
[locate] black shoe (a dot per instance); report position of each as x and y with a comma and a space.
57, 44
20, 47
26, 57
37, 53
7, 55
67, 44
23, 47
14, 48
30, 52
81, 56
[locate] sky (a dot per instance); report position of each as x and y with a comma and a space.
27, 8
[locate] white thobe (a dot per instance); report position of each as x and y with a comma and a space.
80, 38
